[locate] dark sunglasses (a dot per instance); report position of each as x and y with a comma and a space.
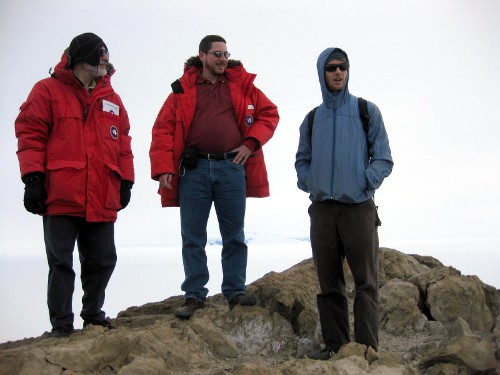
219, 54
333, 67
103, 52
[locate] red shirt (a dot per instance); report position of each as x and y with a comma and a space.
256, 116
214, 127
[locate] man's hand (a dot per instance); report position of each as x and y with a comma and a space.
243, 154
166, 180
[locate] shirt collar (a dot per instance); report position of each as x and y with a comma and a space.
201, 80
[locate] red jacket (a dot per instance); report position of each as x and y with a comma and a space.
256, 115
83, 149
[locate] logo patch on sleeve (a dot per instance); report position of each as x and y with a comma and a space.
113, 130
249, 120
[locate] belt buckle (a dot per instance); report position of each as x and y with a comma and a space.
212, 156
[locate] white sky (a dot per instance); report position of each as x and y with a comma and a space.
430, 65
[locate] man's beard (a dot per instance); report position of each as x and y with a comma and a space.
96, 71
215, 70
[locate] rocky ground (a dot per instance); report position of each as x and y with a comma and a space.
433, 320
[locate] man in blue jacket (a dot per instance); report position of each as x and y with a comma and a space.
340, 166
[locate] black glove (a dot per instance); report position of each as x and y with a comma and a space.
35, 193
125, 193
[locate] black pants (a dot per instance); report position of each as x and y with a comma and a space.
340, 231
96, 247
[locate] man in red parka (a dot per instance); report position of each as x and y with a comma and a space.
76, 161
216, 121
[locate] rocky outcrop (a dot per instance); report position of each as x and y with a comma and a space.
433, 321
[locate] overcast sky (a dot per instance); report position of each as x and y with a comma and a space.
432, 67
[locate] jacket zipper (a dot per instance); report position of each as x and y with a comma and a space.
334, 110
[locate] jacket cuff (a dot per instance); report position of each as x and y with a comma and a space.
127, 184
33, 177
252, 144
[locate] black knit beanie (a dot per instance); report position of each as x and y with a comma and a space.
85, 48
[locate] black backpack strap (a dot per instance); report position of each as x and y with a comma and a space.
310, 120
363, 114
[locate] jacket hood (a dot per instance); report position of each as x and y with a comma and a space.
328, 96
194, 61
61, 71
234, 72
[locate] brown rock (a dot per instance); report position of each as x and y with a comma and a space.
460, 296
399, 313
266, 338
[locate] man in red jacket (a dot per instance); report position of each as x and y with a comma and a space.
76, 161
207, 148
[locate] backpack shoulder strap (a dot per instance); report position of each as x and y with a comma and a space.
363, 114
310, 120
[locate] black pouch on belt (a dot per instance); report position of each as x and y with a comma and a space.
190, 157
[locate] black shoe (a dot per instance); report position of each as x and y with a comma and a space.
323, 354
245, 299
103, 323
62, 331
189, 306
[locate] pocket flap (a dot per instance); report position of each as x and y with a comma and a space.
59, 164
114, 168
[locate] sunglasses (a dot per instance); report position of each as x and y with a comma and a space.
333, 67
103, 52
219, 54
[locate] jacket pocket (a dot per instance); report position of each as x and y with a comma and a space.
256, 174
66, 183
113, 189
110, 136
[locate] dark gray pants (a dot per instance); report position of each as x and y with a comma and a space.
96, 247
340, 231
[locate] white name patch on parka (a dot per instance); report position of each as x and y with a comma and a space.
109, 107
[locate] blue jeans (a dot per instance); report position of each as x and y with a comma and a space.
223, 183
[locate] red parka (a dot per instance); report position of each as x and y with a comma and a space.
256, 115
80, 141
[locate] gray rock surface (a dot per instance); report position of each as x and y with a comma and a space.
433, 321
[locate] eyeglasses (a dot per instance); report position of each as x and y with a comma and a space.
333, 67
219, 54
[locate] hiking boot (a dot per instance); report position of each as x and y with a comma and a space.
324, 354
189, 306
62, 331
245, 299
103, 323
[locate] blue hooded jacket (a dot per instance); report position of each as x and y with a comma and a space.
335, 162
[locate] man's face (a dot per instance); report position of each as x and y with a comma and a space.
213, 64
103, 62
335, 74
101, 68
